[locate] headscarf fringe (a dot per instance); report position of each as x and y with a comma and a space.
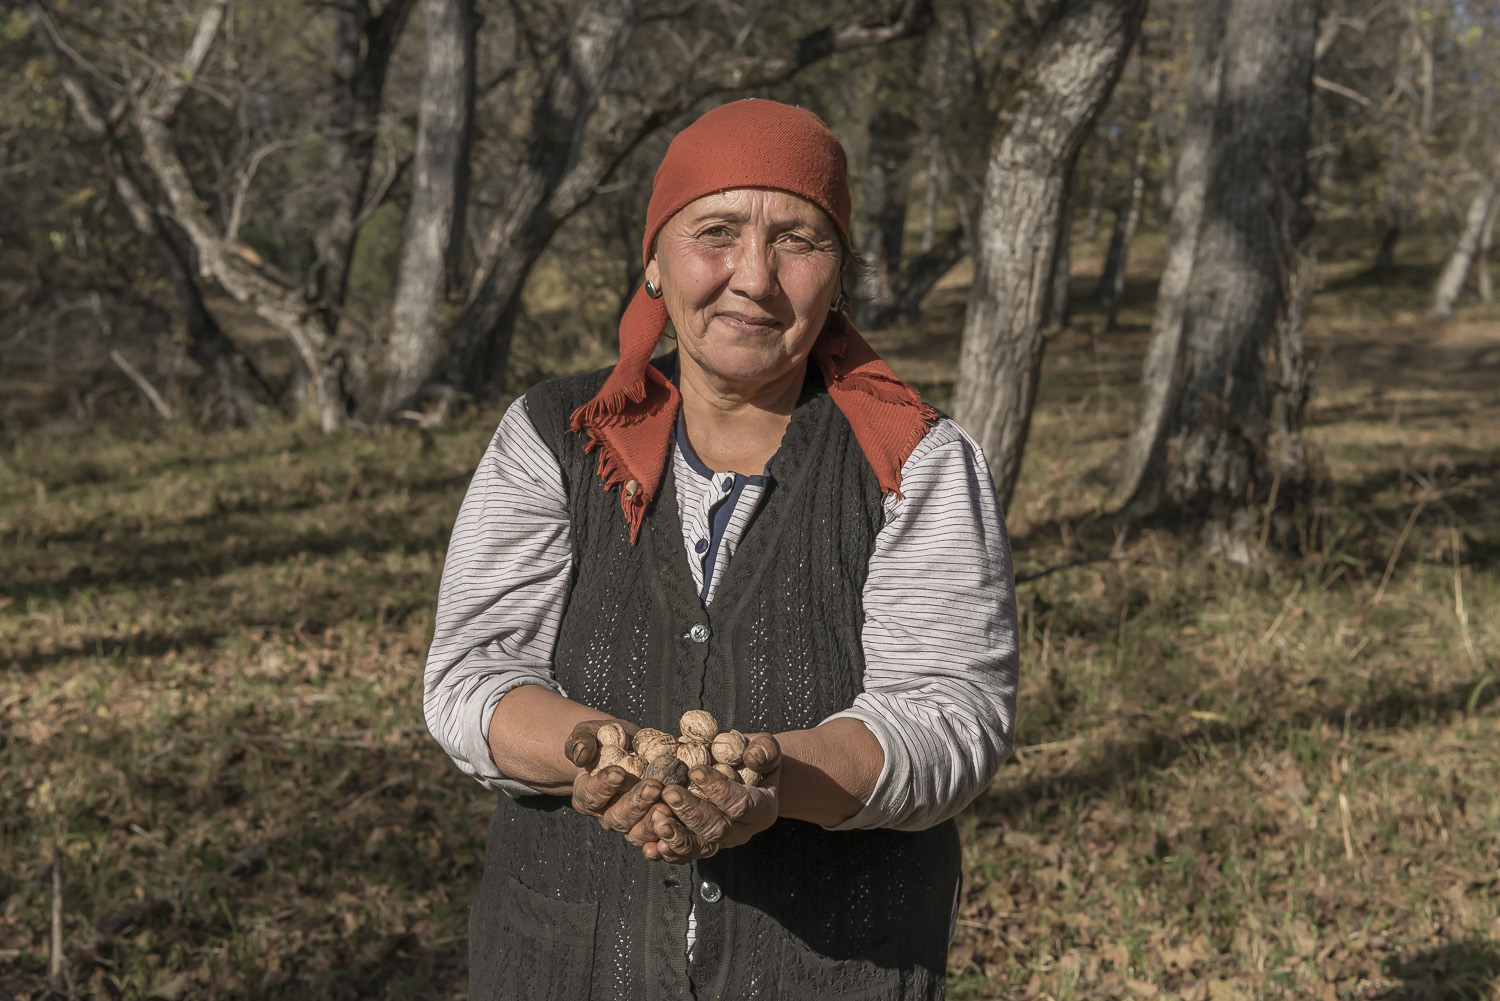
614, 473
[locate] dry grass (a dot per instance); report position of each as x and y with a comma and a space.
1270, 783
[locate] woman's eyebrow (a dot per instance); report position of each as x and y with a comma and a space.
727, 215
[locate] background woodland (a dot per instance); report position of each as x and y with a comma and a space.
1210, 281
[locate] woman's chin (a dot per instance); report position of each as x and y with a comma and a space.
749, 368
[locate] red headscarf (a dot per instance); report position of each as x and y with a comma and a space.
745, 144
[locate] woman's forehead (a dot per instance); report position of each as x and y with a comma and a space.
756, 205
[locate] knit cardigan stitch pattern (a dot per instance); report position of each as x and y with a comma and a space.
567, 910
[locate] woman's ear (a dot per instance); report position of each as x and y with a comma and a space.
653, 272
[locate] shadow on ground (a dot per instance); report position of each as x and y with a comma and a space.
1460, 971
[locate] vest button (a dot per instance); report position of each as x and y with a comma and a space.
711, 892
700, 632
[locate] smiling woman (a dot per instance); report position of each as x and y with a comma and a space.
766, 524
748, 276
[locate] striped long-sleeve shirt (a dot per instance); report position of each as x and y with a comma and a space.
939, 637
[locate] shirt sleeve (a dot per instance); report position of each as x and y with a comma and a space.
505, 585
939, 638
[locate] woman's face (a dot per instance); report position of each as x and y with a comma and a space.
748, 276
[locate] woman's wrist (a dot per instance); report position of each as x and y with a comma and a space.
828, 773
528, 734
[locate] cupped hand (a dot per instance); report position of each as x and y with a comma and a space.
718, 813
582, 745
618, 800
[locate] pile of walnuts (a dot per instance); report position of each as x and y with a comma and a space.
656, 754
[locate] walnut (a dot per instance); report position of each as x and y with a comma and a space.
647, 733
655, 745
667, 769
634, 764
609, 755
699, 724
613, 735
727, 771
729, 748
694, 754
750, 777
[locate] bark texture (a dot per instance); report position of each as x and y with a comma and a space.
281, 306
445, 121
1074, 69
1217, 430
1127, 219
364, 45
231, 385
882, 220
1482, 266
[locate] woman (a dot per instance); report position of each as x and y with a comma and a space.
766, 524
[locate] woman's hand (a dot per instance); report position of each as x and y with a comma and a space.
619, 801
689, 826
616, 798
582, 745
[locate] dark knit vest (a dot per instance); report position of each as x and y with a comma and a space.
569, 911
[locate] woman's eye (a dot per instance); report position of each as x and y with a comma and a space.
713, 232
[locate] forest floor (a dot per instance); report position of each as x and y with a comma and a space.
1280, 781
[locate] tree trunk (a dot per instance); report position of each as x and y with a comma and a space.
231, 382
1127, 218
1450, 283
1103, 147
1210, 428
524, 227
918, 278
1076, 64
1486, 242
1062, 271
363, 48
932, 192
1385, 254
279, 306
1189, 187
439, 191
883, 207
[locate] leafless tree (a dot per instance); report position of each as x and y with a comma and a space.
581, 131
1205, 438
1031, 162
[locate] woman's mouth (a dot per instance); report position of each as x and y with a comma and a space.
746, 323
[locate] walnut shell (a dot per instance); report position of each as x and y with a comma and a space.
646, 735
699, 724
694, 754
634, 764
726, 771
609, 755
729, 748
656, 745
613, 735
667, 769
750, 777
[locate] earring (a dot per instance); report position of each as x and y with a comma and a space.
840, 305
651, 290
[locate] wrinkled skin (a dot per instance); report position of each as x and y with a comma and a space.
671, 824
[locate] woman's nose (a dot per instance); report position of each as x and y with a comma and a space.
753, 270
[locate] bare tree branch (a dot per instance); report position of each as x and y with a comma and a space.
1341, 90
204, 35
